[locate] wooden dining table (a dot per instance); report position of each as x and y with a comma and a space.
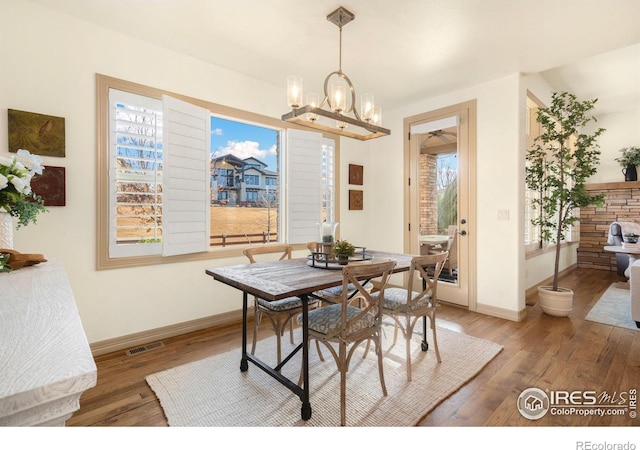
275, 280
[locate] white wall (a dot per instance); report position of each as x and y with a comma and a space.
499, 114
622, 130
48, 64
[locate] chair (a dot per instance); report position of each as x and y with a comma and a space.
281, 312
406, 306
452, 248
346, 325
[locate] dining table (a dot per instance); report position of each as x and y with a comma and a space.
299, 277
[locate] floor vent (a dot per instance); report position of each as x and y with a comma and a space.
144, 348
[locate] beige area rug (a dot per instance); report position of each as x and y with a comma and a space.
613, 308
213, 391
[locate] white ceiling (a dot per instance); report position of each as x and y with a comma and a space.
400, 50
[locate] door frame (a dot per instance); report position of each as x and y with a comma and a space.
467, 136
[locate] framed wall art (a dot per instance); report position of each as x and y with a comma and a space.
355, 200
51, 185
356, 174
40, 134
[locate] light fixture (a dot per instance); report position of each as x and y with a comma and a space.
341, 116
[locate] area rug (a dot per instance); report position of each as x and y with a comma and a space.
213, 391
613, 308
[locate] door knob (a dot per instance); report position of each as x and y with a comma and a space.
463, 233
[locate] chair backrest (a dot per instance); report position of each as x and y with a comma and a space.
452, 261
283, 249
420, 266
357, 275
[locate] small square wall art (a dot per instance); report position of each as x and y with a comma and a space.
40, 134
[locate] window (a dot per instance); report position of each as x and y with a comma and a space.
532, 233
252, 180
157, 201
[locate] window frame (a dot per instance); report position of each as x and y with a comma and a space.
539, 246
103, 84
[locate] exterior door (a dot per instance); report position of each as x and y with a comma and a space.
439, 203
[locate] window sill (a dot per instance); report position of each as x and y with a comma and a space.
548, 249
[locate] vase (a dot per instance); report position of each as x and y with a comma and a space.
630, 173
328, 232
555, 303
6, 230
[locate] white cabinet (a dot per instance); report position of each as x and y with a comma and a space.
45, 360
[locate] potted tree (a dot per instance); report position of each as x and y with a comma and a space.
343, 250
560, 161
629, 160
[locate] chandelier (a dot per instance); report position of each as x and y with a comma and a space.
335, 114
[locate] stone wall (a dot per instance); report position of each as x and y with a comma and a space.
622, 203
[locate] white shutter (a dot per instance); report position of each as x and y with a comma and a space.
304, 185
135, 171
186, 202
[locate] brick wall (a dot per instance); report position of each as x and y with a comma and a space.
622, 202
428, 194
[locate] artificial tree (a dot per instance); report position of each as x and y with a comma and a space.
560, 161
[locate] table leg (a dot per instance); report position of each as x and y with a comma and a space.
244, 363
305, 410
424, 346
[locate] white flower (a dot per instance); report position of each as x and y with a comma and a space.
4, 182
31, 162
4, 161
21, 186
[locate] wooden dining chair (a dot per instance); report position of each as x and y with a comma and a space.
349, 323
281, 312
405, 306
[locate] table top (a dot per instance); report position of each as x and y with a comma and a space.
275, 280
621, 249
434, 239
43, 348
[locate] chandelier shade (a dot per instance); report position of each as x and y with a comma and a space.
337, 112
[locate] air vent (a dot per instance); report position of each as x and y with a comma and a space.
144, 348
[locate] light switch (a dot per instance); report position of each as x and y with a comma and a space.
503, 214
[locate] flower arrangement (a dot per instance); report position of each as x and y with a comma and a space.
16, 196
630, 156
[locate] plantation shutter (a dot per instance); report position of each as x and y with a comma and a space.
186, 202
135, 174
304, 185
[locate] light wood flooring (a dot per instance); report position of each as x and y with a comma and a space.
541, 351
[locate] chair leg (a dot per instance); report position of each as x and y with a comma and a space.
256, 322
432, 319
378, 345
408, 336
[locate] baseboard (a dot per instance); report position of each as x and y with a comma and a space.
546, 282
156, 334
508, 314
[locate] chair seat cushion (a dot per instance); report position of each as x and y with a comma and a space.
328, 320
284, 304
395, 298
337, 290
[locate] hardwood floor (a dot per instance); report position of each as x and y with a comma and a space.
541, 351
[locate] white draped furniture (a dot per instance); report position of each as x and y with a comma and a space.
45, 360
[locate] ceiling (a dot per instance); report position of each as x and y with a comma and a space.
400, 50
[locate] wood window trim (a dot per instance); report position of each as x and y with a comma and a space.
103, 84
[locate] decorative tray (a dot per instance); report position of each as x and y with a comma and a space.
19, 260
322, 260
